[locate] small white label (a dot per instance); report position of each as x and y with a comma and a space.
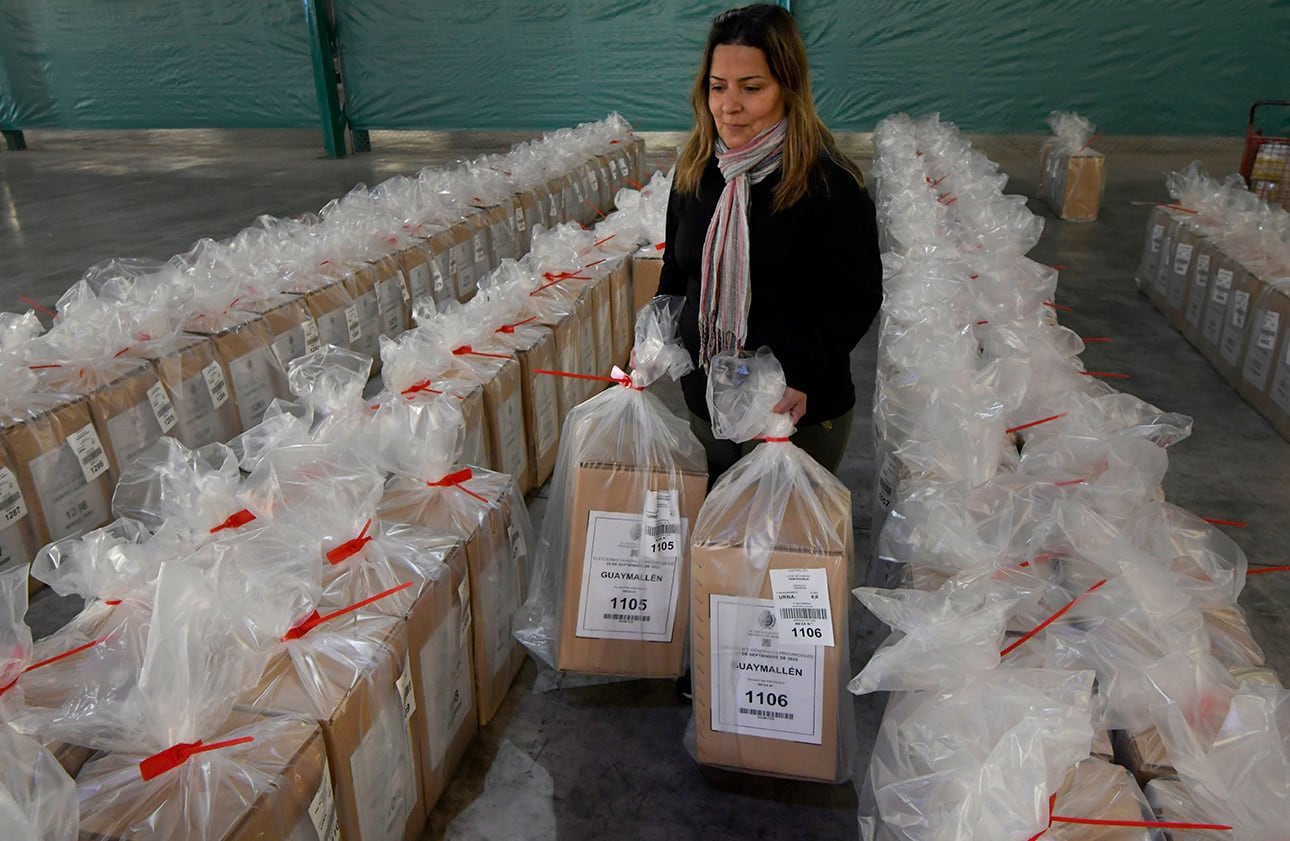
1268, 332
1222, 285
322, 809
1182, 257
1202, 269
463, 596
761, 686
439, 283
802, 601
312, 340
1156, 232
888, 477
480, 255
89, 452
419, 280
1240, 308
406, 695
12, 506
162, 407
521, 224
215, 381
630, 577
402, 280
352, 323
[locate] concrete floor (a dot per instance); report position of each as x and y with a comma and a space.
607, 760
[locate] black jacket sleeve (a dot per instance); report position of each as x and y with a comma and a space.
671, 281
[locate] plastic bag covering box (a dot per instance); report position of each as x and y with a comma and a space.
280, 787
1217, 303
622, 314
1178, 275
779, 712
1097, 790
1201, 283
17, 536
415, 262
1072, 184
1265, 347
1170, 801
448, 250
646, 269
335, 314
360, 282
294, 330
37, 800
252, 375
192, 376
1158, 283
392, 295
535, 347
503, 414
61, 465
130, 407
1238, 324
1142, 753
495, 531
1159, 219
347, 674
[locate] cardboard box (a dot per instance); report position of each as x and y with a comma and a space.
495, 559
1186, 245
1171, 802
187, 367
535, 347
480, 248
761, 705
1142, 753
1158, 286
1216, 307
586, 313
130, 407
1237, 325
1202, 276
294, 330
503, 414
622, 316
555, 210
460, 241
392, 296
1159, 218
253, 376
335, 316
1099, 790
500, 234
61, 465
1072, 184
374, 761
443, 268
360, 282
602, 300
415, 261
1231, 640
17, 534
633, 626
1264, 347
646, 269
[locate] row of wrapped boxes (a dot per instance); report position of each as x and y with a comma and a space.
216, 379
357, 725
1235, 312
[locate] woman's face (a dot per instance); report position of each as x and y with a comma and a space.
742, 95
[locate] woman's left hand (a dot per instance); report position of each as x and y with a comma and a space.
793, 404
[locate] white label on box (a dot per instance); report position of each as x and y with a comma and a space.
888, 477
313, 340
70, 504
404, 684
463, 596
445, 667
200, 422
402, 281
514, 451
440, 285
251, 376
384, 781
352, 325
131, 432
1202, 269
761, 686
1268, 332
521, 224
419, 280
333, 329
12, 506
802, 602
627, 594
1281, 382
1222, 285
322, 809
292, 344
519, 551
481, 253
391, 312
162, 407
1182, 257
1156, 233
89, 452
1240, 308
214, 375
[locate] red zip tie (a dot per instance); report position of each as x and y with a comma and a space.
1060, 307
1052, 819
936, 182
350, 547
982, 323
1234, 523
1050, 620
29, 302
43, 367
576, 376
77, 650
1104, 375
1262, 570
594, 263
1060, 267
454, 480
313, 620
659, 246
593, 207
601, 242
111, 602
510, 328
1175, 207
638, 185
467, 350
121, 352
1097, 136
773, 440
176, 755
1069, 482
1033, 423
235, 521
1096, 339
418, 387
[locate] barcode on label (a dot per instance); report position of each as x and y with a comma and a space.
626, 617
352, 324
767, 714
663, 528
803, 613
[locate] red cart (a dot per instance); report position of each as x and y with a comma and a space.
1266, 163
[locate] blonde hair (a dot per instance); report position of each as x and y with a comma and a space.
772, 30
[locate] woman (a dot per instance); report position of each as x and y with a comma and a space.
771, 235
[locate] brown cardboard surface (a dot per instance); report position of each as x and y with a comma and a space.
1097, 789
461, 259
1142, 753
1231, 640
478, 261
1265, 346
360, 282
443, 273
278, 811
500, 229
621, 313
333, 309
293, 328
721, 570
1200, 285
618, 488
1186, 246
392, 295
17, 535
1238, 324
503, 413
117, 391
535, 348
1072, 184
61, 501
1214, 318
1156, 223
555, 209
1158, 285
645, 275
180, 363
415, 262
244, 348
602, 301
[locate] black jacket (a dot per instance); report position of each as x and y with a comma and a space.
816, 281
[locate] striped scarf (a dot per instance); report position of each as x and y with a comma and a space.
724, 295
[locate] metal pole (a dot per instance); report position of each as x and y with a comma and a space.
14, 140
321, 48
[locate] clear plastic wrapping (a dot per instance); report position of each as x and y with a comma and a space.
37, 798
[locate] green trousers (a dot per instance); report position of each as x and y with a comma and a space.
826, 442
